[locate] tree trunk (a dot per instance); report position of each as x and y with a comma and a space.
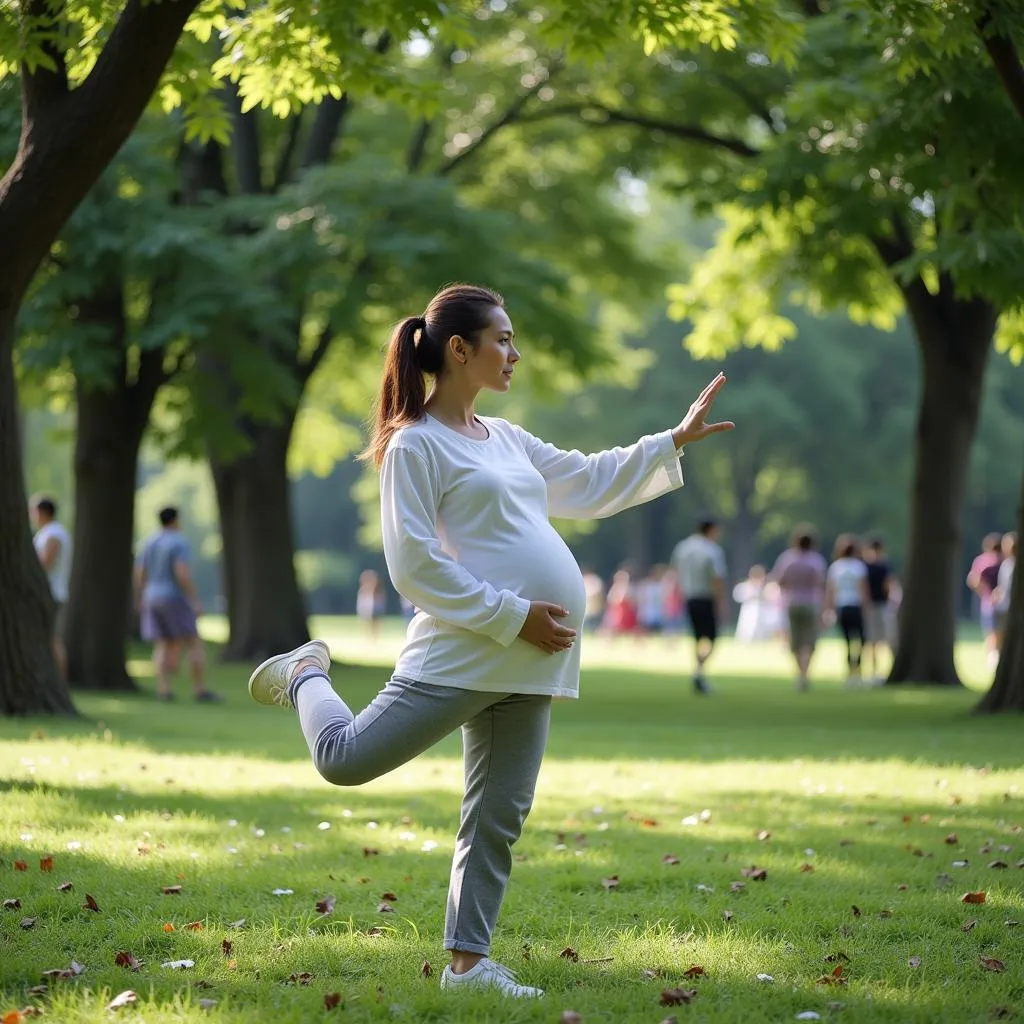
1007, 691
954, 338
111, 423
266, 611
29, 681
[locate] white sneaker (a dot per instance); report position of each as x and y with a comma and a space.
269, 683
488, 974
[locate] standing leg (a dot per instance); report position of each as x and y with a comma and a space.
503, 747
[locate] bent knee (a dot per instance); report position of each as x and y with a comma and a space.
343, 771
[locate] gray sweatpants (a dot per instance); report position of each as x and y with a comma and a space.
503, 739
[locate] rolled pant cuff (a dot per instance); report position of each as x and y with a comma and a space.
455, 945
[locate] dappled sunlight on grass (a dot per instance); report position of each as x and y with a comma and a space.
847, 799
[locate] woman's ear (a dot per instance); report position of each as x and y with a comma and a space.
458, 347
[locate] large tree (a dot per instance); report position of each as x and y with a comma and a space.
87, 72
843, 186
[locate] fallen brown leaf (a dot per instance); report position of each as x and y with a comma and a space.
194, 926
12, 904
835, 978
670, 858
374, 932
168, 927
846, 842
612, 882
332, 1000
677, 996
806, 868
90, 904
992, 964
369, 851
122, 999
300, 978
326, 905
902, 887
695, 971
389, 896
648, 823
973, 897
20, 865
172, 890
125, 959
426, 970
569, 954
856, 910
45, 863
754, 873
952, 839
838, 957
226, 946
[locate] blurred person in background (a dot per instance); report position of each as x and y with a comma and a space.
800, 571
876, 611
983, 579
53, 546
700, 564
846, 596
168, 605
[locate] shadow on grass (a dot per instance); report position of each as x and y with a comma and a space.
670, 915
621, 716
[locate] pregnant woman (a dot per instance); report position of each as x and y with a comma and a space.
465, 502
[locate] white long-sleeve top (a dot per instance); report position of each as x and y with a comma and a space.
467, 540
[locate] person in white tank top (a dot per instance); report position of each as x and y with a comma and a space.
53, 546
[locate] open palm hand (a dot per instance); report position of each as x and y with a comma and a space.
694, 425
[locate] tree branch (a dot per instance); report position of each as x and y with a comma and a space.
418, 146
607, 117
330, 116
304, 371
513, 112
67, 144
283, 165
245, 146
43, 87
1005, 59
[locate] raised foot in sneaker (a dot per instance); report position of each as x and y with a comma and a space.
488, 974
269, 683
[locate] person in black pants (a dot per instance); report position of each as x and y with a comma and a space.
846, 592
875, 611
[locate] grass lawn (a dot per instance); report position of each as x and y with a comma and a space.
873, 812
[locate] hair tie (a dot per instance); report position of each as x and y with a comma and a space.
420, 324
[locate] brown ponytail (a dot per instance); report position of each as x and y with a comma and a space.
416, 348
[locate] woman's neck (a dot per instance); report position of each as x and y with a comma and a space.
452, 405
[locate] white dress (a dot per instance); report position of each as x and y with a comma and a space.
468, 541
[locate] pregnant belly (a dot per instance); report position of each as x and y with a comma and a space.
540, 567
